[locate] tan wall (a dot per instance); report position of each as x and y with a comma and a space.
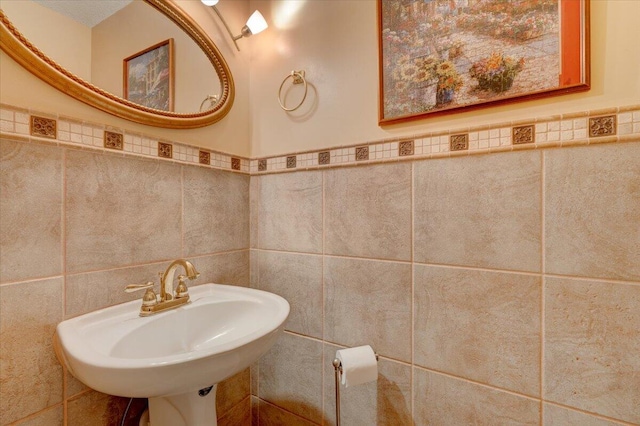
71, 46
335, 42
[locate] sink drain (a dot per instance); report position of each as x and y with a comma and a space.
205, 391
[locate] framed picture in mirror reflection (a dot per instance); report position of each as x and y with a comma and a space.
149, 76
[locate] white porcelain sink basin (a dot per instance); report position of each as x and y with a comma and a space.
219, 333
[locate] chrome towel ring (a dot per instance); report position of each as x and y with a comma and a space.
212, 99
298, 78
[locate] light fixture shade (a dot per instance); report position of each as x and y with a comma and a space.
256, 23
210, 2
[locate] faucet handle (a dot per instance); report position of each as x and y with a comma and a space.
149, 299
181, 289
135, 287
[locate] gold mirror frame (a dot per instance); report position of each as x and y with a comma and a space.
13, 43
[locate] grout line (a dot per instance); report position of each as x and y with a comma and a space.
63, 231
473, 268
343, 256
156, 262
254, 216
289, 412
233, 407
31, 280
603, 280
413, 289
315, 339
258, 286
219, 253
63, 242
588, 413
181, 211
254, 262
475, 382
323, 289
542, 278
36, 414
480, 269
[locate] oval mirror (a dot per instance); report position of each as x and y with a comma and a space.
147, 62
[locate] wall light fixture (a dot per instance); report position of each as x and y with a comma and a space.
255, 24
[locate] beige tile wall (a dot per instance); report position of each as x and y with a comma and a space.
76, 226
497, 289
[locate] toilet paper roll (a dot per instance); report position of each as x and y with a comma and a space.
359, 365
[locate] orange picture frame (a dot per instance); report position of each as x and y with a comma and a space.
441, 57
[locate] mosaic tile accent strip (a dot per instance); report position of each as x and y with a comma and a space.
602, 126
41, 126
406, 148
523, 134
165, 150
113, 140
306, 160
235, 163
15, 121
324, 158
141, 145
362, 153
185, 153
611, 125
459, 142
71, 131
204, 157
627, 124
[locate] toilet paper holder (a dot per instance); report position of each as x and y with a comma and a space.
337, 365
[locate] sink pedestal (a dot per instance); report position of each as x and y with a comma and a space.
197, 408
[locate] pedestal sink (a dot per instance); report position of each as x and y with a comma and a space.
174, 358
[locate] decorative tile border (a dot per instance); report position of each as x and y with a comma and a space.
459, 142
582, 128
113, 140
204, 157
523, 134
324, 158
235, 163
362, 153
165, 150
602, 126
406, 148
43, 127
609, 125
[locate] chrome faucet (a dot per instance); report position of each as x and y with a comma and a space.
167, 299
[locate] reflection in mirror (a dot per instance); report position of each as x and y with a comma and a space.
118, 41
93, 45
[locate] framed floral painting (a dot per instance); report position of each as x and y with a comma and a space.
444, 56
148, 76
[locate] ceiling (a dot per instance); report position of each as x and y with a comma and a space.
87, 12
